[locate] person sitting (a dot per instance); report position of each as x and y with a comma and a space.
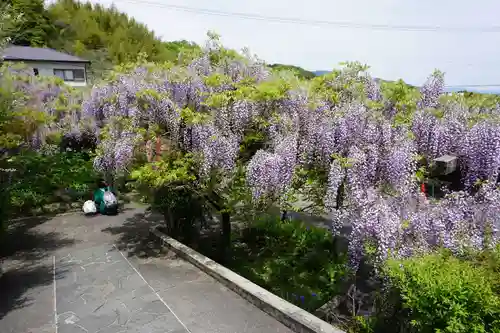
105, 199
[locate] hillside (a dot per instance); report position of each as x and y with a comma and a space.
103, 35
299, 71
107, 37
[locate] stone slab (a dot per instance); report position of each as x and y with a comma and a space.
292, 316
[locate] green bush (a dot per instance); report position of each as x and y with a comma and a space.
294, 261
4, 200
168, 185
45, 179
441, 293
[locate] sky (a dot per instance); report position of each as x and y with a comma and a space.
468, 57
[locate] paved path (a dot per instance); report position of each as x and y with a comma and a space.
73, 274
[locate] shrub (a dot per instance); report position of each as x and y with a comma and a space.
441, 293
296, 262
43, 179
168, 186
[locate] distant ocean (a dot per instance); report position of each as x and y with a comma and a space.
319, 73
492, 90
495, 90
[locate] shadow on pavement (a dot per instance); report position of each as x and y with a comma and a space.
23, 242
28, 222
15, 285
134, 237
20, 248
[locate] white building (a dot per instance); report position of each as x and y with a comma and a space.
48, 62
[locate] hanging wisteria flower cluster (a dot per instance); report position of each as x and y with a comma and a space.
154, 99
341, 127
53, 104
404, 227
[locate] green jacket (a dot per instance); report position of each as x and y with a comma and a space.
99, 198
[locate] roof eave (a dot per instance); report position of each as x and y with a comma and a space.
46, 60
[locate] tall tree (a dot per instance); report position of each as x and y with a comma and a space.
35, 27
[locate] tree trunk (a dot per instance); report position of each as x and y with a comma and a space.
225, 244
340, 195
169, 219
158, 148
149, 151
109, 179
226, 237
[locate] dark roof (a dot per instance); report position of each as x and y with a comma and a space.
26, 53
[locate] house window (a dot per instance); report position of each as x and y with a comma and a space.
35, 71
77, 75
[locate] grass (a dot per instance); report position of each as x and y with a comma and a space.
296, 262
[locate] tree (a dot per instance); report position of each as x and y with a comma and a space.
35, 27
98, 28
300, 72
8, 21
193, 125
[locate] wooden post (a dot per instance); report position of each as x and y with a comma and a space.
149, 151
158, 148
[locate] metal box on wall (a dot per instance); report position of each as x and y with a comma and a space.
444, 165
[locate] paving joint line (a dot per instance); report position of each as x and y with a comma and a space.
56, 321
152, 289
289, 314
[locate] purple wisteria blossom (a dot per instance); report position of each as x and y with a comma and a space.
432, 90
333, 133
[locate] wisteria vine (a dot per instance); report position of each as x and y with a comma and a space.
351, 136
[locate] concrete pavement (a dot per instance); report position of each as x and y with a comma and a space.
103, 275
